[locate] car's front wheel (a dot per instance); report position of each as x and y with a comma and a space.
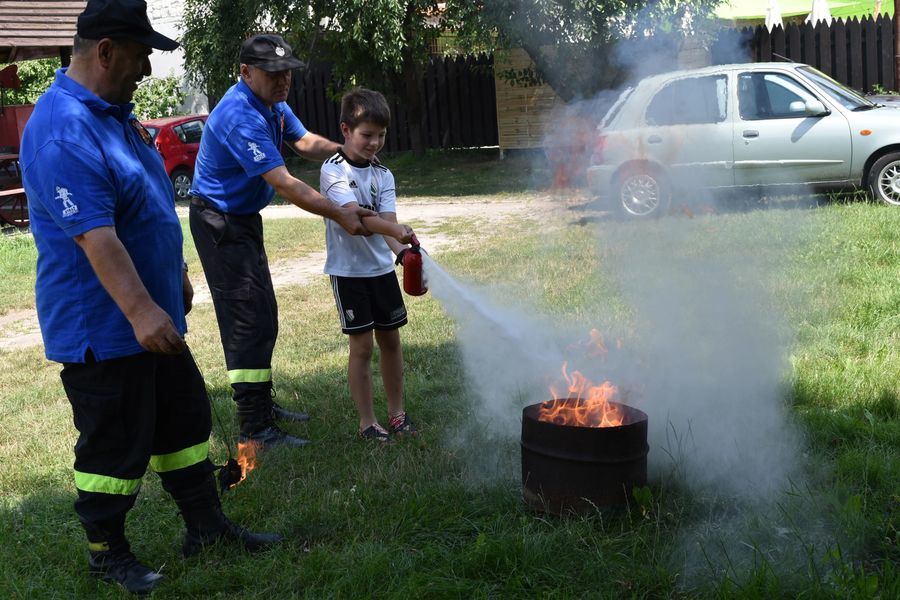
884, 179
181, 182
642, 192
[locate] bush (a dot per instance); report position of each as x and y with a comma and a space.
36, 76
155, 97
158, 97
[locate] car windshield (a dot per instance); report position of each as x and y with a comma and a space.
614, 109
154, 131
846, 97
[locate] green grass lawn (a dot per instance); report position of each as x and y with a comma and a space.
454, 173
442, 516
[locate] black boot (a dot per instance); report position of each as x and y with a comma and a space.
112, 561
283, 414
271, 436
257, 419
206, 523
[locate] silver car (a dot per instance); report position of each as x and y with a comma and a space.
771, 126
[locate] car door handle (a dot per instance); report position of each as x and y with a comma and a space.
751, 133
654, 139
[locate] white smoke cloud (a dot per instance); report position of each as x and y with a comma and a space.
704, 353
707, 358
710, 358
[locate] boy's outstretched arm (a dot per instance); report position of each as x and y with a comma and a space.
395, 234
297, 192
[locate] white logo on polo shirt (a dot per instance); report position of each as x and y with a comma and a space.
258, 154
279, 51
69, 207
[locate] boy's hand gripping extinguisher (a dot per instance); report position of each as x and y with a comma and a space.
411, 259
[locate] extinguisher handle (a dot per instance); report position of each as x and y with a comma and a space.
414, 241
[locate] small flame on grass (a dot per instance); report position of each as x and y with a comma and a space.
246, 457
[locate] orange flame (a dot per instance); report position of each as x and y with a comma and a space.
246, 457
582, 404
594, 347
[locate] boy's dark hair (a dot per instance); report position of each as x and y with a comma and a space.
360, 105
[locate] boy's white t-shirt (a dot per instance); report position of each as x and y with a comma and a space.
370, 186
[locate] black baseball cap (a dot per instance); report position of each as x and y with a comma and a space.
121, 20
269, 52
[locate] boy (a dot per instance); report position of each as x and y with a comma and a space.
362, 268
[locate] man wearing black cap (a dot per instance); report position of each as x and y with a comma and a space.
112, 295
239, 169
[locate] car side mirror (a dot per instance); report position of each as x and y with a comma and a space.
814, 108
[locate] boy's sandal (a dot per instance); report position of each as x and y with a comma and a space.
402, 425
375, 432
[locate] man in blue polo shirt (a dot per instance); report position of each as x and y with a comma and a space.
239, 169
112, 295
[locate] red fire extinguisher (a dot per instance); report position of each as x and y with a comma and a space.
413, 281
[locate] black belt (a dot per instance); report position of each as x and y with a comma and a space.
199, 202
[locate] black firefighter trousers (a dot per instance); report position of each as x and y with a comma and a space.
237, 271
130, 412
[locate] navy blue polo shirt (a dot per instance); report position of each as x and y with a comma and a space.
87, 164
241, 141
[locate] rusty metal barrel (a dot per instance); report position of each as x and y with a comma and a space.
576, 469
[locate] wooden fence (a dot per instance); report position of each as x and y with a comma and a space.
858, 53
459, 105
460, 99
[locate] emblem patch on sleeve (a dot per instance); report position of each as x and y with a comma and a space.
142, 131
258, 154
69, 207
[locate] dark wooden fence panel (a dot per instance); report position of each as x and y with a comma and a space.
459, 97
857, 52
459, 105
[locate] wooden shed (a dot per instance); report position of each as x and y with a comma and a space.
528, 116
38, 28
523, 112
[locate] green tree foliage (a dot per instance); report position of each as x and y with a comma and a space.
383, 44
36, 76
213, 31
580, 47
158, 97
155, 97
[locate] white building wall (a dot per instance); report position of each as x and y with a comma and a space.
166, 18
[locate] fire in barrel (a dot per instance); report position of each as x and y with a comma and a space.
581, 449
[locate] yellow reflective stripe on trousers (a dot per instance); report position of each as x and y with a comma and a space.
162, 463
249, 375
103, 484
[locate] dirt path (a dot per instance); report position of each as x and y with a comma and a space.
19, 329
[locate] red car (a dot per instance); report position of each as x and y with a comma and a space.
178, 140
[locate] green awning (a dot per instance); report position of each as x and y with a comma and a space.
751, 10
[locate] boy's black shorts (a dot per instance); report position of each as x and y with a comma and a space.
367, 303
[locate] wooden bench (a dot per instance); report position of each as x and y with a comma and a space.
12, 192
14, 207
